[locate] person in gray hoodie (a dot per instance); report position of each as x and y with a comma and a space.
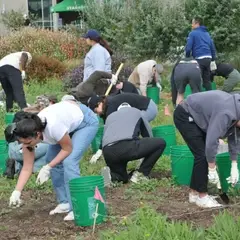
121, 144
202, 119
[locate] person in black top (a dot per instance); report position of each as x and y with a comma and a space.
104, 106
231, 75
126, 86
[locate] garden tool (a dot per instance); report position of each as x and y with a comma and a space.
222, 194
117, 73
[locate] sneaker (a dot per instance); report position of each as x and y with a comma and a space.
105, 171
61, 208
207, 202
69, 217
10, 168
192, 198
138, 177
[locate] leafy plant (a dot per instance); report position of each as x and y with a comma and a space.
43, 67
72, 78
60, 45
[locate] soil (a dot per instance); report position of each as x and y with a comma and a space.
32, 221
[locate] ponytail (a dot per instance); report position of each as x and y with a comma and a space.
104, 43
29, 126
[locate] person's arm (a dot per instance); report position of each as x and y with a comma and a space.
189, 45
173, 89
145, 128
213, 50
234, 145
23, 61
66, 149
217, 128
26, 172
143, 83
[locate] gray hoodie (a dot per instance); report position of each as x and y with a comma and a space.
125, 124
216, 113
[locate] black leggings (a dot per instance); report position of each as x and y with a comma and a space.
118, 155
12, 85
196, 141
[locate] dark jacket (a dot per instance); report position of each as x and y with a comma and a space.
199, 43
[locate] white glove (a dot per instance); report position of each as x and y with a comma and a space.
213, 66
15, 200
213, 175
96, 156
159, 86
43, 175
23, 75
233, 179
114, 79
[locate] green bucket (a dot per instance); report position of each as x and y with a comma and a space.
168, 133
98, 139
188, 91
82, 192
101, 123
224, 170
9, 117
214, 87
182, 164
153, 93
3, 155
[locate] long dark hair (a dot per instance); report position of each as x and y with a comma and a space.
29, 126
104, 43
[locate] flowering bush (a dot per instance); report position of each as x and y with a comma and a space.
73, 77
43, 67
60, 45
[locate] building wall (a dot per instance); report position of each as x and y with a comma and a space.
8, 5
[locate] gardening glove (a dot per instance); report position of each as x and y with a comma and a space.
96, 156
43, 175
159, 86
213, 66
234, 177
114, 79
15, 200
23, 75
213, 175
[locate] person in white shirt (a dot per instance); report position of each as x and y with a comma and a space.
69, 128
145, 73
12, 74
99, 56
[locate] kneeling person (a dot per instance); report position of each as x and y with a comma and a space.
121, 144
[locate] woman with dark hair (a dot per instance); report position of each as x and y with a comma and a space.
99, 56
69, 128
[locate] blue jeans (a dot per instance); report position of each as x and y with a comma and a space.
69, 169
40, 155
151, 111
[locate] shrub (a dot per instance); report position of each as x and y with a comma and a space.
72, 78
13, 20
43, 67
60, 45
154, 29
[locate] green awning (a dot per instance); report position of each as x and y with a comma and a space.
69, 6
